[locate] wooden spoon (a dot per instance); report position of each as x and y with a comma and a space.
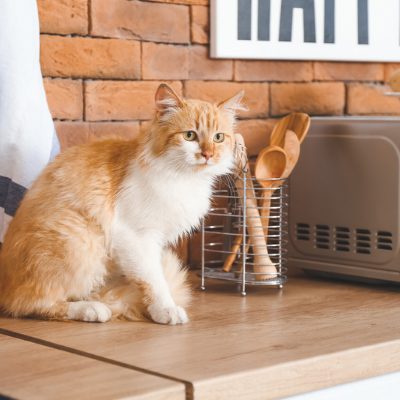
296, 122
233, 253
291, 148
254, 224
271, 163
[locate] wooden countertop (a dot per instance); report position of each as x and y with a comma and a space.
312, 334
31, 371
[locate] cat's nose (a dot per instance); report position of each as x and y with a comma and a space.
207, 154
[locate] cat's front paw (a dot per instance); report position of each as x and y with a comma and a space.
89, 311
168, 315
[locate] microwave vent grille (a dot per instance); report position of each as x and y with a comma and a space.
363, 241
303, 231
343, 239
384, 240
322, 237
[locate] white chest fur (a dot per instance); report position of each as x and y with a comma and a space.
164, 204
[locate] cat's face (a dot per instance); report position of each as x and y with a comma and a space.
195, 135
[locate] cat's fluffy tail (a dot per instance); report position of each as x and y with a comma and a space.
129, 301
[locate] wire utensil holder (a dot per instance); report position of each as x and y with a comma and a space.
244, 235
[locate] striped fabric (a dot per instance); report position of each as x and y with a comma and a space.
11, 195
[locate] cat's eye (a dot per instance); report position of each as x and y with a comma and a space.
219, 137
189, 135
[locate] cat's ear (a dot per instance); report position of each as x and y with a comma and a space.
234, 103
167, 100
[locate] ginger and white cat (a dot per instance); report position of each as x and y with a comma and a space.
91, 238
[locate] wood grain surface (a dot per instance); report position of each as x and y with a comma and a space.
32, 371
312, 334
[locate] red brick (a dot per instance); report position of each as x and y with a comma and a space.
203, 67
140, 20
124, 130
390, 69
200, 25
313, 98
65, 98
294, 71
348, 71
164, 61
63, 16
256, 133
256, 95
71, 133
75, 133
116, 100
89, 58
369, 99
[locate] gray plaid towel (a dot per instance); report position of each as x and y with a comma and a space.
27, 136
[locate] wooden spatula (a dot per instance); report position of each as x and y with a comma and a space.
299, 123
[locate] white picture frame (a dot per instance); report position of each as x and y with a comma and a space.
335, 30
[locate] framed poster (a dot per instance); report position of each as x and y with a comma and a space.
337, 30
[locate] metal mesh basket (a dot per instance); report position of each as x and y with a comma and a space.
244, 236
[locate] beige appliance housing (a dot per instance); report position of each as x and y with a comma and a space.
344, 199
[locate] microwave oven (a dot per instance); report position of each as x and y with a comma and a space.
344, 199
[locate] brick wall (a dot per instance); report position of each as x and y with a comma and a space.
103, 59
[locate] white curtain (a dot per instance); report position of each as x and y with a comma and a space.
27, 135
